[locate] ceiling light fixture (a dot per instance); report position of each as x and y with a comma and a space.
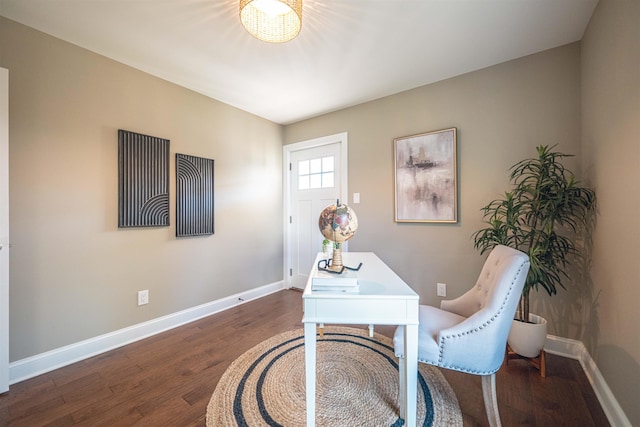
274, 21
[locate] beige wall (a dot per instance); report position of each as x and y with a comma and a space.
501, 114
611, 147
74, 274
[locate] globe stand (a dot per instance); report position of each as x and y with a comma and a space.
336, 260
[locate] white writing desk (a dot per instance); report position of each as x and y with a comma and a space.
383, 299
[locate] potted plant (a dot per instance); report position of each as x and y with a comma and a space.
539, 216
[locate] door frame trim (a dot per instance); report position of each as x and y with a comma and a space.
341, 138
4, 230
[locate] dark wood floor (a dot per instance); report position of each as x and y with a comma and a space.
168, 379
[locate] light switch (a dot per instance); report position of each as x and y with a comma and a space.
356, 197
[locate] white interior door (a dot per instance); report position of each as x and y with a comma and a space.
316, 178
4, 230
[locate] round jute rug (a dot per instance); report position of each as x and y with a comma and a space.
357, 385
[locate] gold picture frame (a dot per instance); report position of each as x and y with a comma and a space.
426, 178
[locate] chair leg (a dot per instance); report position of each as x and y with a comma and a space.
490, 400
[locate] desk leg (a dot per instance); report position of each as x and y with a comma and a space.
410, 374
402, 370
310, 371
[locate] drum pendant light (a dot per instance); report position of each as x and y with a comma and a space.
274, 21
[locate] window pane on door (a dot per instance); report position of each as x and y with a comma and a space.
303, 167
303, 182
316, 173
327, 164
315, 166
327, 180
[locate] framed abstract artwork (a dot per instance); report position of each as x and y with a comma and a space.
426, 177
194, 196
143, 180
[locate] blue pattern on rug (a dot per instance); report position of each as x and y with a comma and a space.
237, 403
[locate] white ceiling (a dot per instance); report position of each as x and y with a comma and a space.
348, 51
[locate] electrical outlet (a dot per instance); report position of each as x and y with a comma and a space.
143, 297
441, 290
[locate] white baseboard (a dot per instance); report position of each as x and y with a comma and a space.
576, 350
29, 367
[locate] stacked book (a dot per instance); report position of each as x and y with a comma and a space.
347, 281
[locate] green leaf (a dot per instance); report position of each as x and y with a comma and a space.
540, 215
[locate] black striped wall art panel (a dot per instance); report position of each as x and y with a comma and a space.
194, 196
143, 180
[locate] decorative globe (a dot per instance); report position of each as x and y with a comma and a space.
338, 222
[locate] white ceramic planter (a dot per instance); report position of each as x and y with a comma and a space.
527, 339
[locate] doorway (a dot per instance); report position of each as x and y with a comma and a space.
315, 176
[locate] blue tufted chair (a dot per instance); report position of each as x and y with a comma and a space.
469, 333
